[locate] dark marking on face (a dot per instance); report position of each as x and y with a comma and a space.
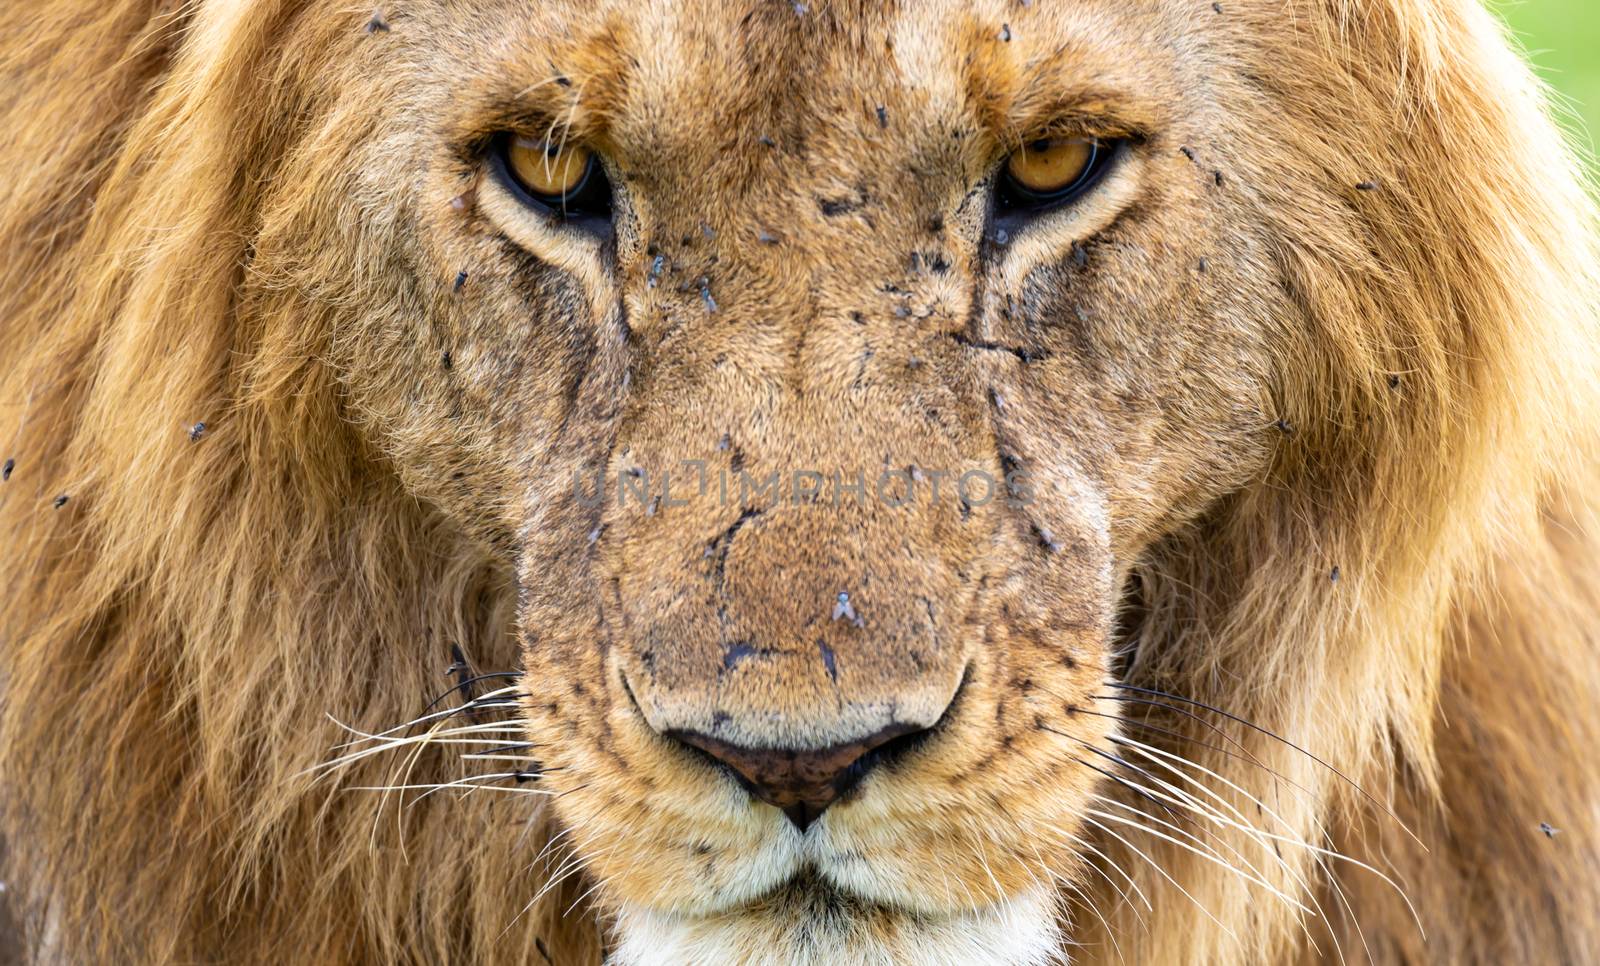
718, 547
1023, 354
828, 660
834, 207
736, 652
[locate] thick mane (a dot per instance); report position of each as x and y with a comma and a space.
179, 631
178, 635
1426, 537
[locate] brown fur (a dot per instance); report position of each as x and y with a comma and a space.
1223, 374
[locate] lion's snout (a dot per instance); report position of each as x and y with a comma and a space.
803, 613
761, 659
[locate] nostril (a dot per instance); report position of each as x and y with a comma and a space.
802, 783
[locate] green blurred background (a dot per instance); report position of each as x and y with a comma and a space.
1562, 38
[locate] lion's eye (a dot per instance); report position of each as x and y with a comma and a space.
1047, 172
565, 178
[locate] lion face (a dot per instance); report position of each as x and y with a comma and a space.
821, 462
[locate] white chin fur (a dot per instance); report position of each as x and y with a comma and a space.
801, 930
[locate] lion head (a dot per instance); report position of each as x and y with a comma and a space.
753, 481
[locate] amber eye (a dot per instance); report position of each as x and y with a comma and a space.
566, 178
1049, 171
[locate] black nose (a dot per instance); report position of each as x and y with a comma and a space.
804, 783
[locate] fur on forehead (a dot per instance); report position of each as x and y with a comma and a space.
616, 77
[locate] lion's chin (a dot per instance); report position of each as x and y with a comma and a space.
806, 922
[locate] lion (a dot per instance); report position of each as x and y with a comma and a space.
751, 481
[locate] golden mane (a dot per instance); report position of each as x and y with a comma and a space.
176, 634
187, 621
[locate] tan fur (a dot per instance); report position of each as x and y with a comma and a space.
1224, 373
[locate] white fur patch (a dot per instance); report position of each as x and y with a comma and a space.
1022, 931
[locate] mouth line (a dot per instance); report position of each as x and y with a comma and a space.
811, 884
811, 894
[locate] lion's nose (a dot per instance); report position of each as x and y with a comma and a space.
804, 783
